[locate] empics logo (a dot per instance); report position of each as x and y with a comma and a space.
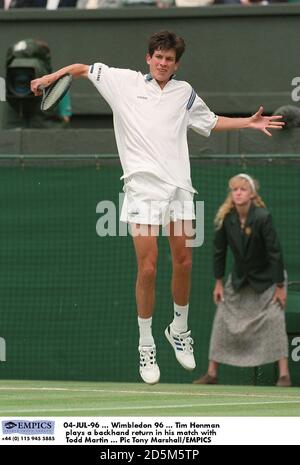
28, 427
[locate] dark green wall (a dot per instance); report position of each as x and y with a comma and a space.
102, 142
236, 58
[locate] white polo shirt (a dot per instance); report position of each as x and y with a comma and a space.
151, 124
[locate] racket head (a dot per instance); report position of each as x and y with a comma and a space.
53, 94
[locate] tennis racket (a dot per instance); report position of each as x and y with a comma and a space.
55, 92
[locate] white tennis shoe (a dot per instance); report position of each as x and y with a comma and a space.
182, 344
149, 370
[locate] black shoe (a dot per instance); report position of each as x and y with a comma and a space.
284, 381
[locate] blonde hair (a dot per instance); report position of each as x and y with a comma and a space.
228, 205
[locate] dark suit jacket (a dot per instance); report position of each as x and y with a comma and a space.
256, 249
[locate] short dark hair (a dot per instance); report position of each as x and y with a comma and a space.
166, 40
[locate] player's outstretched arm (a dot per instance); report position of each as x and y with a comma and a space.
256, 121
77, 70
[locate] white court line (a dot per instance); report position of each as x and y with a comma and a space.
167, 393
145, 407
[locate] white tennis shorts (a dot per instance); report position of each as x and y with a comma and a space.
150, 200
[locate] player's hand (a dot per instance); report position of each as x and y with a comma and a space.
218, 292
263, 123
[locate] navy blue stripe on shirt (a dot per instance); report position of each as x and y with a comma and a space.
191, 100
92, 69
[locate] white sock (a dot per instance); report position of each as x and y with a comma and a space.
145, 327
180, 321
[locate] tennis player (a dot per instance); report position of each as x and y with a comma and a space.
152, 113
249, 325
